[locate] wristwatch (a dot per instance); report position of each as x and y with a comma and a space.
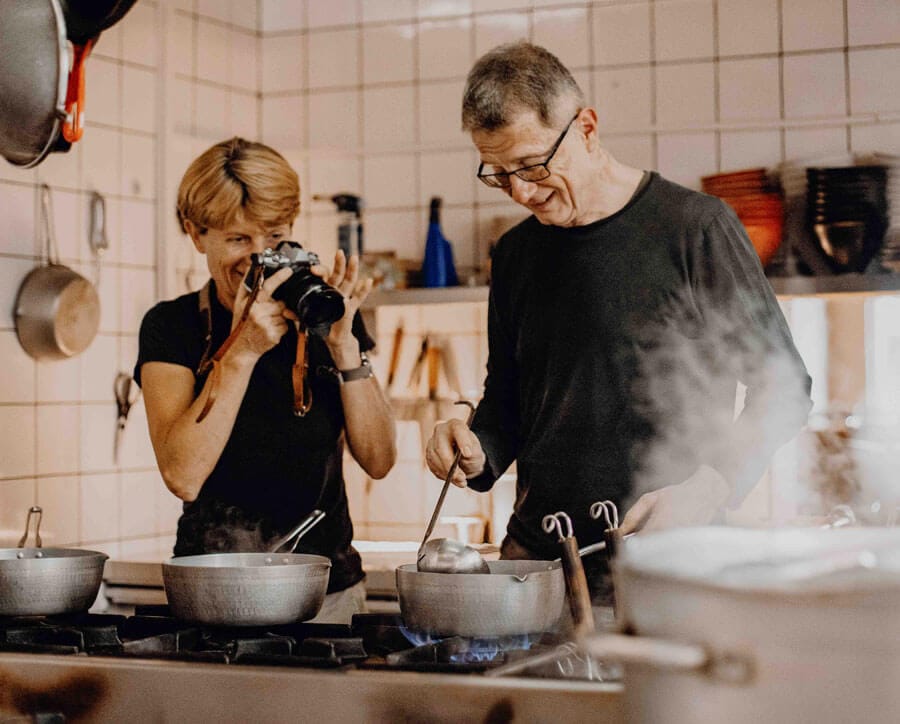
364, 371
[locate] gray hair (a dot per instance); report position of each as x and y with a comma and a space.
516, 77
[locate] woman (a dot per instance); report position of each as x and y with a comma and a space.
234, 433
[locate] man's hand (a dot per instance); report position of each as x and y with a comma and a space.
692, 502
447, 438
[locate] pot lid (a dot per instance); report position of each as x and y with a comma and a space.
799, 561
33, 76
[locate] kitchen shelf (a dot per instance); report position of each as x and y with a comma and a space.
426, 295
797, 286
801, 286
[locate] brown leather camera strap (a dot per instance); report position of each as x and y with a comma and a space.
299, 372
211, 364
302, 391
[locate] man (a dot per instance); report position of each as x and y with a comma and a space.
622, 315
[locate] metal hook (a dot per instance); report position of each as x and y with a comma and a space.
608, 510
555, 521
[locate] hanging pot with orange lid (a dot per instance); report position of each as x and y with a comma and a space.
57, 311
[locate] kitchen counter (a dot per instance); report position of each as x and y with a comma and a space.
154, 691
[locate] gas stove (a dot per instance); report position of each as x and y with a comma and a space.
152, 667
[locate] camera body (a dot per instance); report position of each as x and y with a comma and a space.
317, 304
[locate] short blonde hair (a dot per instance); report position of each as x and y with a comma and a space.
238, 179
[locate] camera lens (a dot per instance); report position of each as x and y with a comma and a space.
315, 303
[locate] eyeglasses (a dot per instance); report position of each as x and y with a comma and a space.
533, 173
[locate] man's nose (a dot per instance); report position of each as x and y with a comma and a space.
521, 191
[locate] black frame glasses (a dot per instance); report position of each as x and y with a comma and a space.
533, 173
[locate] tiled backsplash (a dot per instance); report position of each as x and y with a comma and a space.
363, 96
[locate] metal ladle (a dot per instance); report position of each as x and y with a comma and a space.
442, 555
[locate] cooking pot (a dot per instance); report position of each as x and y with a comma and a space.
246, 589
516, 597
751, 625
43, 98
57, 311
47, 581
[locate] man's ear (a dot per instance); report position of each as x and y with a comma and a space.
196, 237
589, 126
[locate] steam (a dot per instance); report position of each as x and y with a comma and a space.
691, 371
219, 528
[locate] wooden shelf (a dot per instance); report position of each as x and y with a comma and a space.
798, 286
423, 295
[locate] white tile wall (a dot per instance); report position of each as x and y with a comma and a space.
364, 97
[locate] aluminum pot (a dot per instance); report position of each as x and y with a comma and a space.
516, 597
246, 589
41, 581
750, 625
57, 311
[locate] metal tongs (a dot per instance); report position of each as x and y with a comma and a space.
576, 582
299, 530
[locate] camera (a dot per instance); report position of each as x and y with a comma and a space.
317, 304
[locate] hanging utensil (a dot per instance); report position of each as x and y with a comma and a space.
440, 555
127, 393
57, 311
576, 582
97, 238
395, 356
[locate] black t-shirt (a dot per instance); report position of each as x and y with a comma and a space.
276, 467
614, 353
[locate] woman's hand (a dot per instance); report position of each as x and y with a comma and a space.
267, 318
345, 278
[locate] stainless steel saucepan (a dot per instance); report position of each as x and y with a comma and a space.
249, 589
41, 581
516, 597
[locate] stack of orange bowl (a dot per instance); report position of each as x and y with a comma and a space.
758, 205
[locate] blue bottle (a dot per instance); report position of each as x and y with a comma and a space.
438, 268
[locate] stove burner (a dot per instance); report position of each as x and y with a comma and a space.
371, 641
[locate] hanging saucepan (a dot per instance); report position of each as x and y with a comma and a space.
47, 581
57, 311
34, 72
42, 77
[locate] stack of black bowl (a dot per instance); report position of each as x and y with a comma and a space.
847, 213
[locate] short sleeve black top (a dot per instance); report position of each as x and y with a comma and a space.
276, 467
615, 349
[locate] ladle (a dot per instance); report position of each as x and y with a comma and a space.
448, 556
299, 530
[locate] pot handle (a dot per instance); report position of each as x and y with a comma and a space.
37, 511
46, 224
671, 656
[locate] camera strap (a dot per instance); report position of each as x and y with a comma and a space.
211, 364
299, 374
